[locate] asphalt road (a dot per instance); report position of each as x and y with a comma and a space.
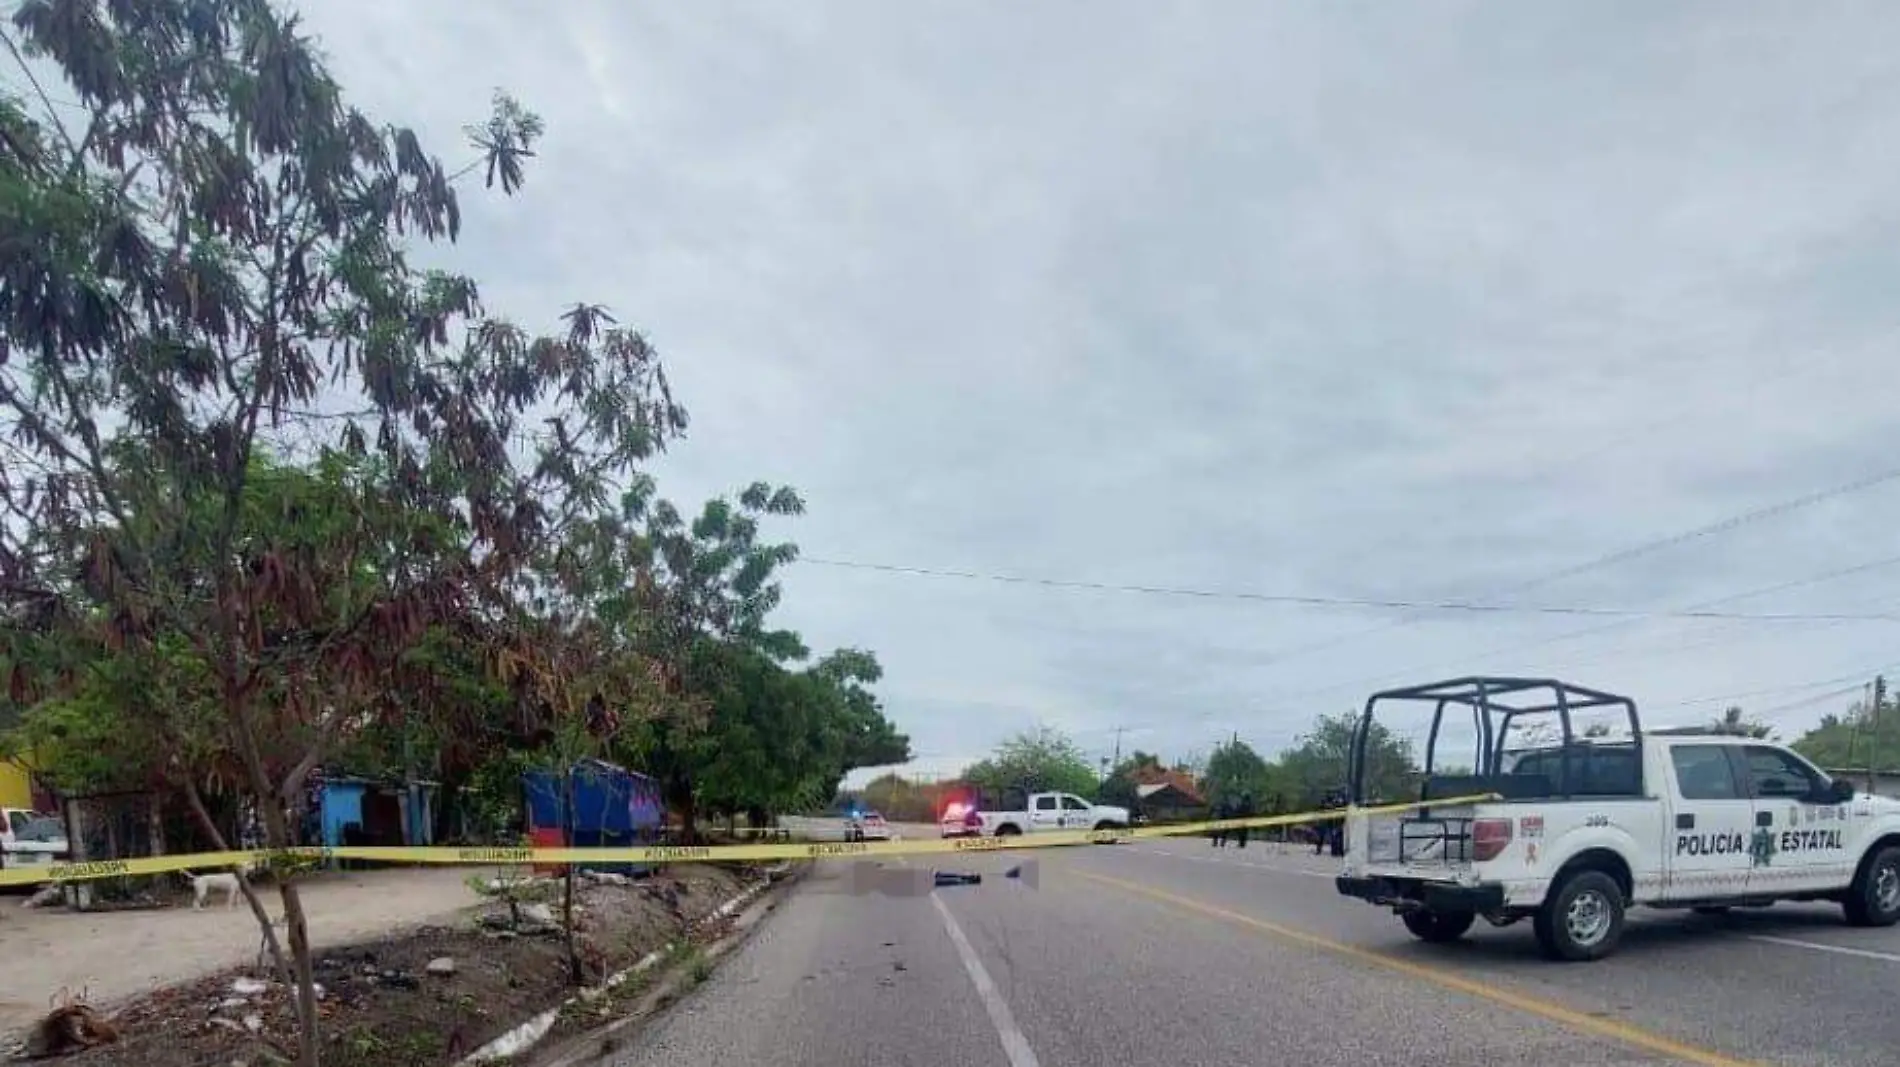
1176, 953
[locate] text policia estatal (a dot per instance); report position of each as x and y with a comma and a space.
1722, 844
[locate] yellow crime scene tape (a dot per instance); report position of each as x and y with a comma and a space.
292, 858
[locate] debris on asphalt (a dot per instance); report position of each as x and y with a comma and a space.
958, 878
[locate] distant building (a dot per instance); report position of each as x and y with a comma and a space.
1163, 794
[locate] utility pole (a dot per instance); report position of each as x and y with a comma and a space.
1119, 730
1873, 728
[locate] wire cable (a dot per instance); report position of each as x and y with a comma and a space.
1347, 602
1619, 556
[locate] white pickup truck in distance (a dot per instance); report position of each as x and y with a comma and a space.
1585, 828
1018, 812
30, 838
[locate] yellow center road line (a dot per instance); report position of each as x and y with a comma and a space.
1557, 1013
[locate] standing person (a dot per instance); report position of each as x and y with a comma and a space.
1334, 834
1220, 811
1323, 829
1244, 810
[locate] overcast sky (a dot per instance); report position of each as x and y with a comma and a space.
1408, 301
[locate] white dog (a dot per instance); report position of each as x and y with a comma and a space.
202, 885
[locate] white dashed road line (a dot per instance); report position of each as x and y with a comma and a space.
1015, 1045
1816, 946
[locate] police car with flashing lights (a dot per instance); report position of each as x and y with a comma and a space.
865, 825
1570, 830
1018, 811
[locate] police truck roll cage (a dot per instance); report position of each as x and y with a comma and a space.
1495, 704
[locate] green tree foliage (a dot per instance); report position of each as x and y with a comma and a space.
737, 727
1856, 739
204, 267
902, 800
1124, 778
867, 737
1737, 723
780, 740
1319, 762
1041, 760
1235, 772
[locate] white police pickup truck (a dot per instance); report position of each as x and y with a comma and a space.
1583, 827
1017, 811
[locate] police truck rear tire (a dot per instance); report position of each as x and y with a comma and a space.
1438, 927
1008, 830
1582, 919
1874, 898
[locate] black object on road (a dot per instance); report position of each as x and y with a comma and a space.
957, 878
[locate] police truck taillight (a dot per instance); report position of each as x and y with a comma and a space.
1488, 838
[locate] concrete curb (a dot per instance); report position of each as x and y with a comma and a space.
526, 1035
597, 1045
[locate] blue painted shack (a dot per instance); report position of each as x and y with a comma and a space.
613, 808
348, 810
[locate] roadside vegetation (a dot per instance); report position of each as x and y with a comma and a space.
1303, 775
282, 492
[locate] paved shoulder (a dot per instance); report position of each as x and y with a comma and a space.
834, 979
1789, 984
1074, 972
1097, 975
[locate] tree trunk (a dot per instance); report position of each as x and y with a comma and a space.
284, 971
307, 1046
448, 808
679, 795
155, 822
277, 837
574, 976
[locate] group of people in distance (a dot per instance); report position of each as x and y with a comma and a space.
1328, 835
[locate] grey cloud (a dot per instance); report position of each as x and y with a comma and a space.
1396, 300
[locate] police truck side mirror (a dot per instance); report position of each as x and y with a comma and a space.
1840, 791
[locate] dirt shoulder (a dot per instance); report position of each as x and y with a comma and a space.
114, 956
425, 996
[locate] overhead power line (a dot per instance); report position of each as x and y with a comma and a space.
1619, 556
1702, 609
1341, 601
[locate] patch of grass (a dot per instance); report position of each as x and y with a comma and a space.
699, 966
361, 1045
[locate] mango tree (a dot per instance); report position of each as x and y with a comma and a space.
205, 271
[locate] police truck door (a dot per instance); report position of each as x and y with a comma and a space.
1800, 842
1707, 850
1075, 813
1045, 813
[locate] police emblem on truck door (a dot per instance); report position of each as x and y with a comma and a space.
1761, 847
